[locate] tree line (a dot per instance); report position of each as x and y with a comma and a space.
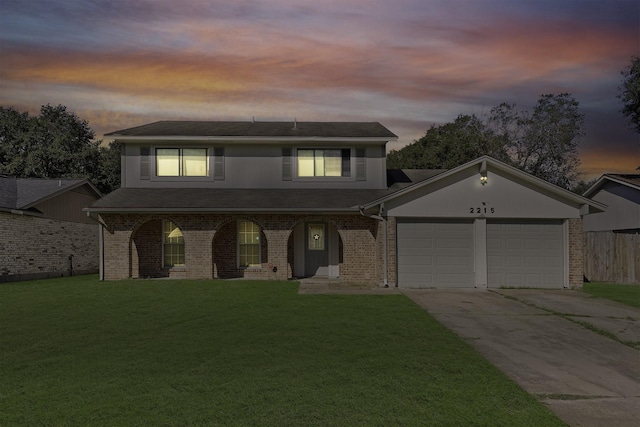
543, 142
56, 144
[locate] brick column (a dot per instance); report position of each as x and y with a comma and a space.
117, 255
198, 253
277, 255
576, 253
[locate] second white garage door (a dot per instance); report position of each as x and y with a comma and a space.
525, 254
435, 254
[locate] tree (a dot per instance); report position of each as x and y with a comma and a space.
583, 186
55, 144
630, 92
448, 145
543, 143
107, 177
14, 141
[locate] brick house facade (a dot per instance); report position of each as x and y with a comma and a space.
203, 200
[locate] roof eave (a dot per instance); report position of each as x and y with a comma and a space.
254, 139
600, 182
222, 210
62, 191
566, 194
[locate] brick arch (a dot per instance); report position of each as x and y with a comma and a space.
235, 218
224, 245
313, 218
318, 218
148, 239
139, 223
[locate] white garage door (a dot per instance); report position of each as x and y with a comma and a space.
435, 254
527, 254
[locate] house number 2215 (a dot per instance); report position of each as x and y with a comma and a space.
482, 210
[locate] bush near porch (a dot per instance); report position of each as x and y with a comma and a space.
76, 351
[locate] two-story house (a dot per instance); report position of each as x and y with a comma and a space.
277, 200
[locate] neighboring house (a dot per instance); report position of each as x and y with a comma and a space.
44, 231
279, 200
612, 238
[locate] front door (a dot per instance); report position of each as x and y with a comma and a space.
316, 250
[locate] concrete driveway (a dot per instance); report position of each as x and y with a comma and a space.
584, 377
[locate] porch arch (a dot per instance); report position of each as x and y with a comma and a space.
224, 250
297, 253
146, 247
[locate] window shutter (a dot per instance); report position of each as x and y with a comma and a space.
145, 170
346, 162
287, 169
218, 163
361, 170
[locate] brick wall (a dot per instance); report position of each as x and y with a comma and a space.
211, 247
576, 253
33, 247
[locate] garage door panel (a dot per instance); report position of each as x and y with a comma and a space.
451, 260
414, 261
435, 254
410, 244
533, 244
525, 254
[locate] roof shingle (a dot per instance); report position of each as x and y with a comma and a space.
258, 129
275, 200
22, 193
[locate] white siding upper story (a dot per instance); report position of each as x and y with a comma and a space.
256, 165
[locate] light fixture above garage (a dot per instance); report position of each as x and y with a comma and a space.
483, 172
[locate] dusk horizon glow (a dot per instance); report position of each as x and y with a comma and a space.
408, 64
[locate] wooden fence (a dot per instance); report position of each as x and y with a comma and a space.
612, 257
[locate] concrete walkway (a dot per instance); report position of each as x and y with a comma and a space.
584, 377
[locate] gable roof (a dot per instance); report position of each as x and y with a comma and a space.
247, 130
483, 162
629, 180
24, 193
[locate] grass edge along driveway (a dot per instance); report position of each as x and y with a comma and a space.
628, 294
76, 351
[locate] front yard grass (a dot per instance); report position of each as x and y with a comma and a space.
626, 294
76, 351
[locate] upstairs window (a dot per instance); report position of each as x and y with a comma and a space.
181, 162
324, 162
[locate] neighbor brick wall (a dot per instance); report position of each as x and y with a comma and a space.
576, 253
33, 247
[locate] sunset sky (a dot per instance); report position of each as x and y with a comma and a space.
408, 64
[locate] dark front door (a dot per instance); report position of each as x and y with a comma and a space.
316, 249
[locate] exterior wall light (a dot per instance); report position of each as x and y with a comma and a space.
483, 172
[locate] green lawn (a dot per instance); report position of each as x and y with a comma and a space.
626, 294
76, 351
